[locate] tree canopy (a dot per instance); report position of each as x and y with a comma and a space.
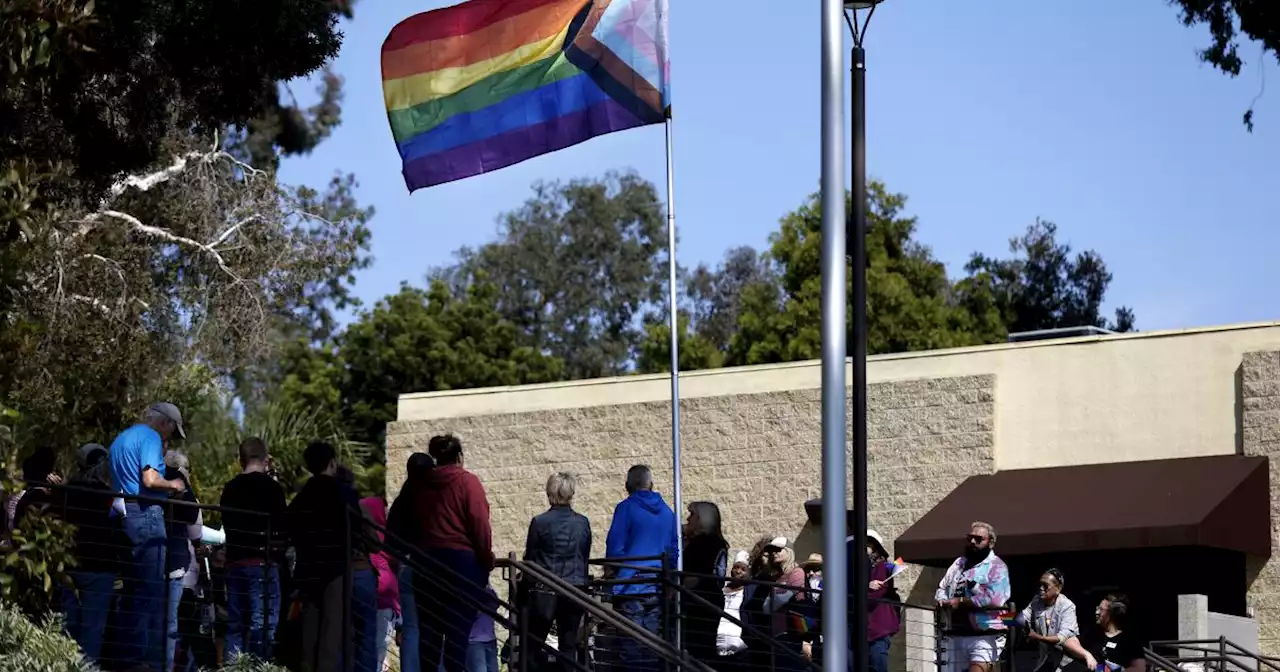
1227, 21
428, 340
146, 247
575, 268
757, 309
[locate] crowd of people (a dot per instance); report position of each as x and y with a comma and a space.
154, 608
154, 588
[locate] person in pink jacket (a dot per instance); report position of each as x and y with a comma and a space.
388, 586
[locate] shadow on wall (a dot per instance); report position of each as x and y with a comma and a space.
808, 540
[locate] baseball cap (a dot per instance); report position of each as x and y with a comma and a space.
90, 453
170, 411
778, 542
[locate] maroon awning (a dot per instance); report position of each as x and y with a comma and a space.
1216, 502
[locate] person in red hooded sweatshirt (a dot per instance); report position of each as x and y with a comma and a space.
452, 531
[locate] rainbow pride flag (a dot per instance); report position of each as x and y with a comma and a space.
486, 84
897, 567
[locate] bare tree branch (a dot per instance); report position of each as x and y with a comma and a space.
177, 167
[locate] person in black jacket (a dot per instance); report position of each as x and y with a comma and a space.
184, 523
253, 517
706, 558
399, 523
86, 504
38, 468
322, 523
560, 540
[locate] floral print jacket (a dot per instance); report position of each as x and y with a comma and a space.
986, 584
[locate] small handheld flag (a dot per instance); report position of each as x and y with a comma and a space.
896, 567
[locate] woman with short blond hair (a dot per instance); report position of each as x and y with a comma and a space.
561, 487
560, 540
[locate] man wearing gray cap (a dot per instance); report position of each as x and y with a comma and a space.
137, 468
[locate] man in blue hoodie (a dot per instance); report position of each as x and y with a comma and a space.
643, 526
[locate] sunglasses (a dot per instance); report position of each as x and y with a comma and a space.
976, 538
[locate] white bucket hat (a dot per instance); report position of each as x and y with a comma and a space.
875, 536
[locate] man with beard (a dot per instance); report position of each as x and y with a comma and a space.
973, 590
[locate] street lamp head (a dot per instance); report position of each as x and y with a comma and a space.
856, 26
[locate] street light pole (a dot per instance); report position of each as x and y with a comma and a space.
857, 338
858, 354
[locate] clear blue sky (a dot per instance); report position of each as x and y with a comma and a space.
1095, 114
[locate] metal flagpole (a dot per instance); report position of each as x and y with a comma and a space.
675, 346
835, 614
678, 504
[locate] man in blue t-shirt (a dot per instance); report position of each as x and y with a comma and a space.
137, 470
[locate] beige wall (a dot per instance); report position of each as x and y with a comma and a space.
758, 456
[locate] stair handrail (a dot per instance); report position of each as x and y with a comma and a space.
1219, 654
620, 623
407, 554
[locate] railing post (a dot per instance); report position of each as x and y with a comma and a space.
167, 512
265, 634
513, 598
522, 646
664, 625
348, 580
1011, 644
677, 609
1222, 652
940, 642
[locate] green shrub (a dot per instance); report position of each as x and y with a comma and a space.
248, 664
36, 564
26, 647
35, 559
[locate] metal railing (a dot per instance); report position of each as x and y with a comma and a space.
296, 592
313, 585
1218, 655
788, 639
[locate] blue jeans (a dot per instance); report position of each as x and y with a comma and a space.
364, 614
482, 657
445, 616
143, 631
408, 623
174, 598
646, 612
253, 610
878, 652
87, 608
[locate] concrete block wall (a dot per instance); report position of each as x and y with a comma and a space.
1259, 434
758, 456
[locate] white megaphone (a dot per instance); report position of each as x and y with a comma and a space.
213, 537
